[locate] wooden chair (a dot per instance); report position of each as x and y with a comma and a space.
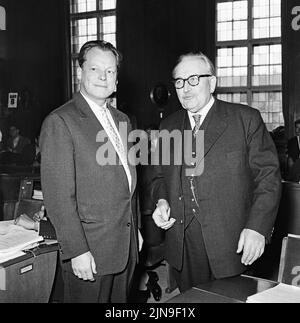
289, 268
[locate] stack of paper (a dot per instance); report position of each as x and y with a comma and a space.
14, 239
294, 235
282, 293
37, 195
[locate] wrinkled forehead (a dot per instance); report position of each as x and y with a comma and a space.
190, 65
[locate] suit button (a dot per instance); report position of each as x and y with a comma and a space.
181, 221
194, 210
180, 198
128, 224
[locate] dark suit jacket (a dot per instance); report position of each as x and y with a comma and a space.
89, 205
239, 187
23, 142
293, 149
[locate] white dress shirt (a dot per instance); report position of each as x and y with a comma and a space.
203, 112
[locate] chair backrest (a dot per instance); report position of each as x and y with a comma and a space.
26, 204
288, 218
27, 186
289, 268
9, 187
28, 207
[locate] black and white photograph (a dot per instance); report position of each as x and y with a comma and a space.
149, 154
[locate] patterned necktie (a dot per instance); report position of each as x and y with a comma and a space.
114, 137
197, 118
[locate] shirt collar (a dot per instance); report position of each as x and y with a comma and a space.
93, 105
204, 111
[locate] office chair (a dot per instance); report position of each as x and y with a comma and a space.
289, 268
9, 194
287, 222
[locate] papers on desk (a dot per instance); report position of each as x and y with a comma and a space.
37, 195
294, 235
14, 239
282, 293
8, 256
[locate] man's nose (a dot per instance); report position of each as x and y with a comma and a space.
186, 86
102, 75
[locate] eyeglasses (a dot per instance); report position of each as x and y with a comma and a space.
193, 80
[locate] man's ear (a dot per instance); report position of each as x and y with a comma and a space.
116, 85
213, 84
79, 72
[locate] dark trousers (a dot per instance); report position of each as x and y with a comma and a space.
112, 288
195, 268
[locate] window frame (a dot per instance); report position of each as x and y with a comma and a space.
98, 14
250, 43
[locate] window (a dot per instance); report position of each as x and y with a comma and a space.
90, 20
232, 20
248, 60
2, 18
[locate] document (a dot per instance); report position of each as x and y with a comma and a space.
8, 256
282, 293
14, 238
37, 195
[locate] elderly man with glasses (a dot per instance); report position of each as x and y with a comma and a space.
217, 221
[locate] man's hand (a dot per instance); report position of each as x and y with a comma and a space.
84, 266
161, 215
252, 244
40, 214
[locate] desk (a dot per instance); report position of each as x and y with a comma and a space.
29, 278
227, 290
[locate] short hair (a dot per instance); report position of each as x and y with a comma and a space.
199, 55
101, 44
297, 122
15, 126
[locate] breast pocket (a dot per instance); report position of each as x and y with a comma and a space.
235, 161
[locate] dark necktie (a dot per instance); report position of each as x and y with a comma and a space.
197, 118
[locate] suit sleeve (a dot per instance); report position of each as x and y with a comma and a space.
156, 176
264, 164
59, 188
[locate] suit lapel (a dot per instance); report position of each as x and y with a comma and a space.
83, 108
182, 123
88, 115
214, 125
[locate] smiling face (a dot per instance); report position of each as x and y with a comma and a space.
98, 75
194, 98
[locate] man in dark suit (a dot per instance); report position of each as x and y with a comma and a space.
217, 221
17, 149
16, 143
90, 200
